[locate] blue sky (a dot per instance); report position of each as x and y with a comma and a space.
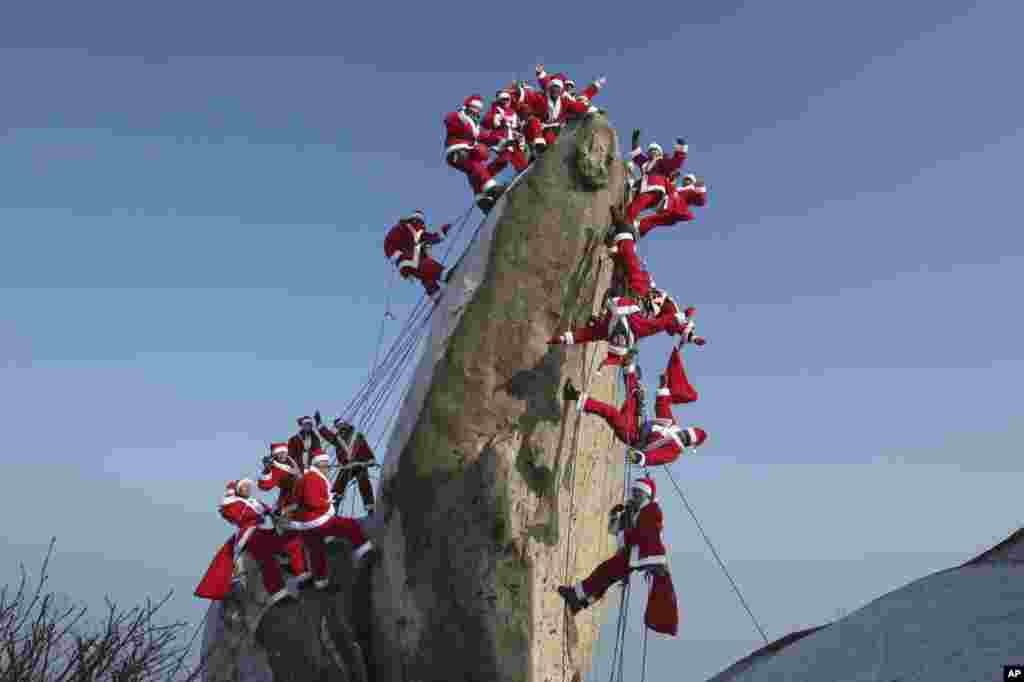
194, 199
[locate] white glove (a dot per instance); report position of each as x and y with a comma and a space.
600, 82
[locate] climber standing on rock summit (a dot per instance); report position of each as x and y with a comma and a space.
637, 526
407, 246
466, 149
652, 442
303, 443
550, 110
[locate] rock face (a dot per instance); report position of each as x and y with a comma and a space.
496, 492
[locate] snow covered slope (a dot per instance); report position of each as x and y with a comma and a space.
959, 625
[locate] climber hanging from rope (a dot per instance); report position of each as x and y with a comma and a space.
550, 109
655, 441
466, 150
637, 526
655, 168
249, 515
626, 320
505, 120
621, 244
279, 472
301, 444
315, 520
353, 455
676, 207
407, 246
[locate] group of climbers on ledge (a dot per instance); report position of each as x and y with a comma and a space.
304, 515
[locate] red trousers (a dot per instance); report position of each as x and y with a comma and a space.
536, 132
427, 270
293, 547
637, 279
474, 164
665, 218
262, 546
681, 391
623, 421
513, 155
607, 573
337, 526
641, 203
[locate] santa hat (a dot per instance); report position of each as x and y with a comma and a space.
415, 215
556, 81
474, 102
305, 420
696, 436
278, 449
319, 457
230, 488
645, 485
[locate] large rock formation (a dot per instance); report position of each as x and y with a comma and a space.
494, 492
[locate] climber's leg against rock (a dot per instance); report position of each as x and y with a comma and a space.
675, 381
597, 331
661, 218
637, 279
641, 203
607, 573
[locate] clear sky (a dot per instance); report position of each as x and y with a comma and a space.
193, 198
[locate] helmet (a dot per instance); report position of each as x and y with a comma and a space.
570, 84
655, 148
503, 94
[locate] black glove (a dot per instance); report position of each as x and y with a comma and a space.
617, 509
267, 461
316, 418
636, 138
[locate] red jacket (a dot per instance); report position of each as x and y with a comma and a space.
359, 451
244, 512
299, 448
680, 199
589, 92
314, 500
503, 120
402, 240
554, 112
284, 477
655, 172
642, 538
463, 133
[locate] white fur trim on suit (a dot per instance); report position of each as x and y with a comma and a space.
320, 583
456, 147
283, 466
643, 486
360, 551
692, 434
320, 459
489, 184
617, 350
568, 338
657, 560
580, 402
624, 236
315, 523
664, 392
281, 449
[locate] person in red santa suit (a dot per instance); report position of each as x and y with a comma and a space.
301, 444
354, 455
550, 110
504, 119
626, 320
262, 543
315, 520
652, 442
676, 206
280, 472
637, 526
621, 244
466, 149
407, 246
588, 94
655, 168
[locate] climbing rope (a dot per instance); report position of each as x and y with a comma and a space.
715, 553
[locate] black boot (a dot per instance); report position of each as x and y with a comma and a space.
571, 600
569, 393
